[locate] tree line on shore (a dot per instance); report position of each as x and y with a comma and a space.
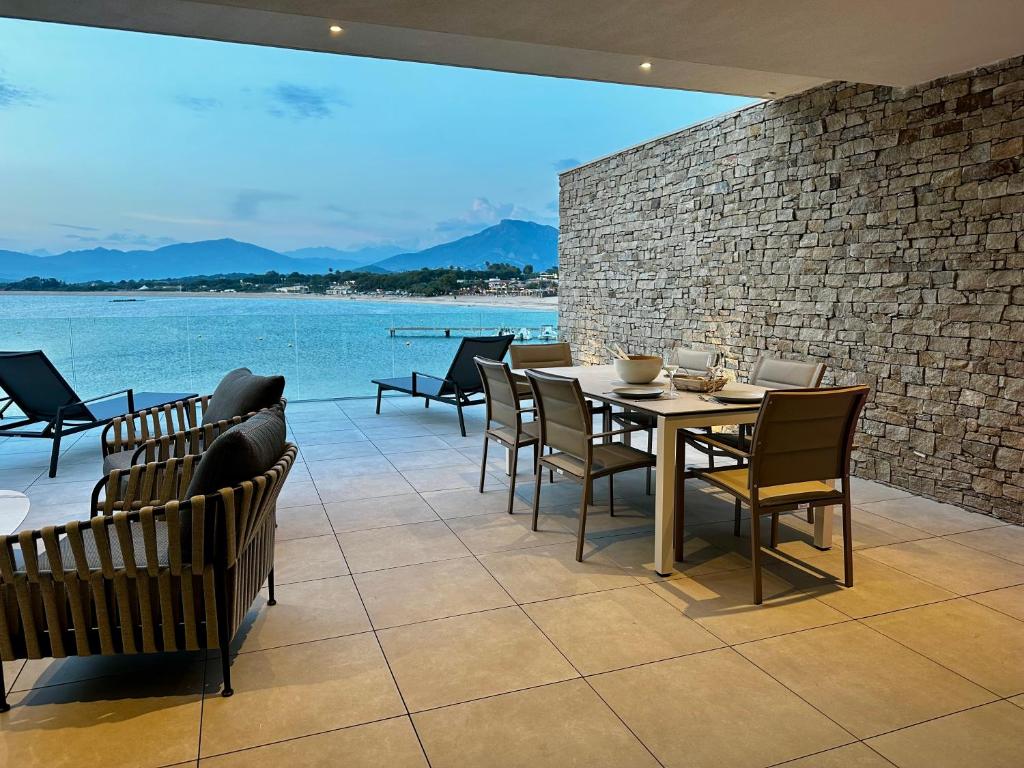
419, 282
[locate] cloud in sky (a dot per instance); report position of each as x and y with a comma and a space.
482, 213
565, 163
121, 239
14, 96
198, 103
247, 204
77, 227
302, 102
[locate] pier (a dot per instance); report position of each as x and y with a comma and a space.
543, 333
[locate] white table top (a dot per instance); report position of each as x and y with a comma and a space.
597, 382
13, 511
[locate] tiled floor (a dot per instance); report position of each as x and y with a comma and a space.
419, 624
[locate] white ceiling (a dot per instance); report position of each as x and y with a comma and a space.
750, 47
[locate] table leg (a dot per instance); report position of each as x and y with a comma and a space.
664, 498
823, 527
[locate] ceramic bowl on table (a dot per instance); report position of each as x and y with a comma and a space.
638, 369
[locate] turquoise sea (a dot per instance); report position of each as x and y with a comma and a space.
325, 348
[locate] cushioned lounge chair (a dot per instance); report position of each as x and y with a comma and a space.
188, 426
51, 407
462, 381
172, 561
801, 444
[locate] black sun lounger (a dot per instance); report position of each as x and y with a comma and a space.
460, 383
52, 409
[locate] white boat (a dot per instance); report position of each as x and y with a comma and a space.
523, 334
548, 333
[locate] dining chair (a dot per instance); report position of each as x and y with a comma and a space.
771, 373
504, 420
567, 428
800, 446
695, 362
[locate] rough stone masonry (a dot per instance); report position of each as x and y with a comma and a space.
879, 229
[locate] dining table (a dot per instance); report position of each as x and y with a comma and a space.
674, 411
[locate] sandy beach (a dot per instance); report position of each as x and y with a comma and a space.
511, 302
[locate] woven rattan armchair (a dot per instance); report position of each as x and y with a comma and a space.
188, 426
152, 571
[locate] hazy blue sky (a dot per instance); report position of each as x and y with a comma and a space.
128, 140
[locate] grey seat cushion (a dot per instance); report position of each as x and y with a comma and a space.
240, 453
92, 554
241, 392
119, 460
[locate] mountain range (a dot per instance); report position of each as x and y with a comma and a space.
511, 241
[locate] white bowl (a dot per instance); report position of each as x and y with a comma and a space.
639, 369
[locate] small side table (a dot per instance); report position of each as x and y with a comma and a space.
13, 511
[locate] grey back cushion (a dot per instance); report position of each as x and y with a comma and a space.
242, 392
240, 453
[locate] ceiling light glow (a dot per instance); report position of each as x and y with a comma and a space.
646, 65
336, 29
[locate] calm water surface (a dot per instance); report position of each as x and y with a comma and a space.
328, 348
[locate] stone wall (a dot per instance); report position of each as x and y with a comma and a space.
879, 229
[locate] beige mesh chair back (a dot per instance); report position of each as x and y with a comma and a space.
562, 412
776, 373
804, 435
500, 393
557, 355
695, 361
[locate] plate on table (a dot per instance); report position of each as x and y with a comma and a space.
738, 396
639, 393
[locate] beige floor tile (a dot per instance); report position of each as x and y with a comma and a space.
109, 722
302, 522
564, 724
467, 657
390, 743
427, 459
380, 548
296, 691
629, 519
850, 756
1018, 700
877, 588
723, 604
983, 645
636, 555
429, 591
327, 471
618, 628
543, 573
497, 532
461, 475
297, 492
1006, 541
864, 681
467, 502
376, 513
1009, 600
949, 565
863, 491
339, 450
11, 670
370, 486
869, 530
394, 445
932, 516
990, 736
306, 559
308, 610
689, 713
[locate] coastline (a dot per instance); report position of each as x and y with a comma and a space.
549, 303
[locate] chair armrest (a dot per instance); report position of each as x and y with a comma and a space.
142, 485
418, 374
613, 432
128, 431
708, 439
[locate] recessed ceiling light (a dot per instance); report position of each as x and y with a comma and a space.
645, 65
772, 93
336, 29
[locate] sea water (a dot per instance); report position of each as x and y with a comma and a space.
325, 348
